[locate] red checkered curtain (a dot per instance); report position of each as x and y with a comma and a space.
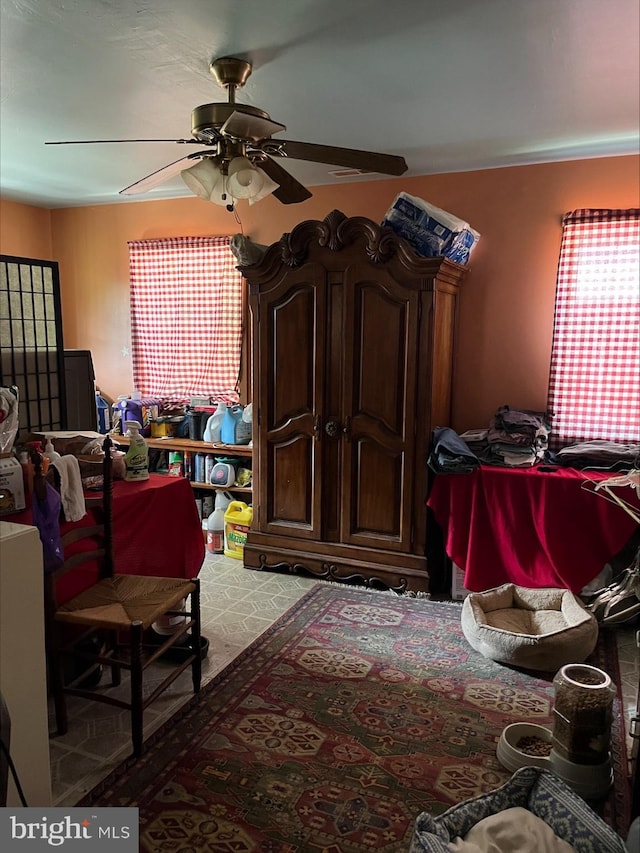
186, 317
594, 385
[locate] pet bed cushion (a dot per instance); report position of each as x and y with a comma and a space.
532, 788
540, 629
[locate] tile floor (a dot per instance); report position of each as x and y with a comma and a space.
237, 606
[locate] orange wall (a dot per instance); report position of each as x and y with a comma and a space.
506, 307
25, 231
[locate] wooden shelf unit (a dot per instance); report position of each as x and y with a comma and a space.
187, 445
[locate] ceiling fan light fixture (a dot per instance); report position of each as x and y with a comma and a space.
204, 179
244, 181
268, 186
207, 179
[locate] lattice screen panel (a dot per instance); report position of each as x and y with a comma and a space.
31, 347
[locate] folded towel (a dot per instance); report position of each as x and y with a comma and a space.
71, 491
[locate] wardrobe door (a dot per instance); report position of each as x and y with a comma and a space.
289, 328
379, 409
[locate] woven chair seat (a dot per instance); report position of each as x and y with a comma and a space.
118, 601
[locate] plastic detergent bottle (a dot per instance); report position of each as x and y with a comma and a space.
229, 424
223, 499
237, 521
214, 425
215, 531
215, 523
136, 459
103, 411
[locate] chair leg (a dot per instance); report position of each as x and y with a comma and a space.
57, 687
137, 724
54, 665
196, 666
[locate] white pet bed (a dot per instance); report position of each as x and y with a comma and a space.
541, 629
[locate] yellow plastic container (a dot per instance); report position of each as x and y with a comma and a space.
237, 521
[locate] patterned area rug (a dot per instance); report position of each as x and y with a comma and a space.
352, 714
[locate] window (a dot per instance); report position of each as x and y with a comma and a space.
186, 317
594, 385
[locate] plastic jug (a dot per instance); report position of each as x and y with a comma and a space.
237, 521
215, 532
213, 429
230, 420
223, 499
103, 411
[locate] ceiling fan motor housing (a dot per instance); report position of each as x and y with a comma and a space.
208, 117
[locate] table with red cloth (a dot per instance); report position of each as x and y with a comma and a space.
156, 531
530, 527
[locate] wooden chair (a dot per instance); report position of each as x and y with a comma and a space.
115, 612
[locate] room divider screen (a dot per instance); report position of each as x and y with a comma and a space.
31, 346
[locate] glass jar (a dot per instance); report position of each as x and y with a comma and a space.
582, 713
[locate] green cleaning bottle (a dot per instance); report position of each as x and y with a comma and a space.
136, 459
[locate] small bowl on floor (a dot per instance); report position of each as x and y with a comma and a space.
510, 751
180, 650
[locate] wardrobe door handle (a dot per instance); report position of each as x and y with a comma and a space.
332, 429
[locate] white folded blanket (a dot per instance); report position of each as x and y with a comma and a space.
71, 491
514, 830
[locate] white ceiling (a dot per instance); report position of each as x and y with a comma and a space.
452, 85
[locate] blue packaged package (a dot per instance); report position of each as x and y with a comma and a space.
430, 230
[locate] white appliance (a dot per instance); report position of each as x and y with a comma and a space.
23, 676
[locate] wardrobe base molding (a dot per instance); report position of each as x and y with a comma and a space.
399, 573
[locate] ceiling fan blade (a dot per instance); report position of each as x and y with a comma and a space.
248, 127
109, 141
162, 175
351, 158
290, 190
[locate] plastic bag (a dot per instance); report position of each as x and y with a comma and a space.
431, 230
46, 517
9, 397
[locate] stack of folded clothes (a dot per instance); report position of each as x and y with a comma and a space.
476, 440
599, 454
517, 438
450, 454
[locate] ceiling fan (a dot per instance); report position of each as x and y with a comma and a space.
239, 150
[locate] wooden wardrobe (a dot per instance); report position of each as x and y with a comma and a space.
353, 339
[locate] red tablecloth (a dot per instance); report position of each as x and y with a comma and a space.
156, 531
529, 527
